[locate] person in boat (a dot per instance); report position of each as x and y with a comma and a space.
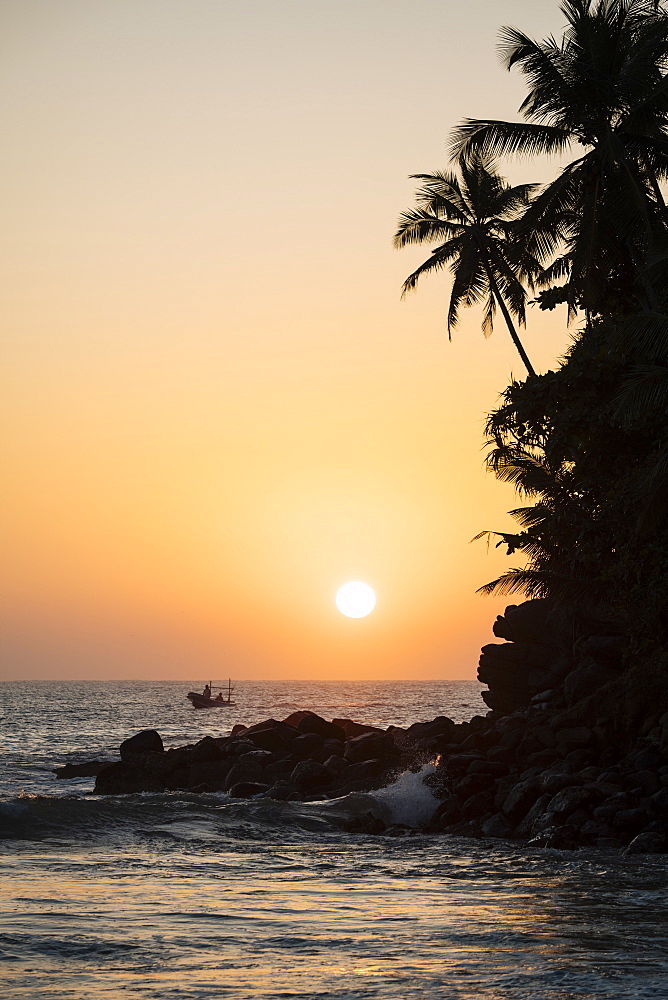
219, 696
206, 693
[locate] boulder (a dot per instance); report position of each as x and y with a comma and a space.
133, 749
308, 745
447, 814
282, 792
309, 775
363, 770
247, 789
578, 736
212, 774
276, 737
88, 769
352, 729
312, 723
648, 843
336, 765
585, 679
528, 826
496, 826
370, 746
125, 779
249, 767
520, 798
568, 800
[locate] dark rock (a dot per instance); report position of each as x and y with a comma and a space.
312, 723
370, 746
578, 736
659, 802
282, 792
179, 778
526, 622
205, 751
336, 765
554, 782
133, 749
353, 729
648, 781
309, 775
88, 769
576, 760
647, 758
607, 649
275, 738
363, 769
125, 779
526, 827
470, 784
447, 813
493, 768
250, 767
648, 843
458, 764
568, 800
497, 826
587, 677
520, 799
477, 805
542, 758
309, 745
212, 774
247, 789
560, 838
544, 735
438, 728
630, 820
279, 769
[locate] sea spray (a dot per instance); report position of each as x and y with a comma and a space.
408, 800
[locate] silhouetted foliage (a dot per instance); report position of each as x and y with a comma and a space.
470, 218
603, 88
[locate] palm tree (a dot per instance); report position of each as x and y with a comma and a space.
471, 221
603, 87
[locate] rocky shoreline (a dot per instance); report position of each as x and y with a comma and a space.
554, 766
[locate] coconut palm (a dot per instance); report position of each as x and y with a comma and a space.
604, 88
470, 219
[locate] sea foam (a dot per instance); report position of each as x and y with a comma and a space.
408, 800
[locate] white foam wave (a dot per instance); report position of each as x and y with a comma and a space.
408, 801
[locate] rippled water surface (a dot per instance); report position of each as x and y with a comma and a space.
186, 896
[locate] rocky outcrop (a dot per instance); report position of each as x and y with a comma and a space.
549, 656
299, 758
557, 783
87, 769
560, 771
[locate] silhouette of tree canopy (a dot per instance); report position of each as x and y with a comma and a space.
470, 219
603, 88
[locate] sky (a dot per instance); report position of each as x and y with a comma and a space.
216, 408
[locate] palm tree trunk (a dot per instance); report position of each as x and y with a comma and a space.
509, 323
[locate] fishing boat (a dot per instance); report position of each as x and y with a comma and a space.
205, 699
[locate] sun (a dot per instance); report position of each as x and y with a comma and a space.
355, 599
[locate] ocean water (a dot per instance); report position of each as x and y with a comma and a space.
191, 897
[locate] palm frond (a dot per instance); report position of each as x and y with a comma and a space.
499, 138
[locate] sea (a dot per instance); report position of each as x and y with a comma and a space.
183, 896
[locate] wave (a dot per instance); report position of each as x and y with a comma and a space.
407, 802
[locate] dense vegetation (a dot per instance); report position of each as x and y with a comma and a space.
586, 445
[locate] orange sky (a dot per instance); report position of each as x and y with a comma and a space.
216, 409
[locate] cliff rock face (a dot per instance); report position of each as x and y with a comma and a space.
535, 659
547, 650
